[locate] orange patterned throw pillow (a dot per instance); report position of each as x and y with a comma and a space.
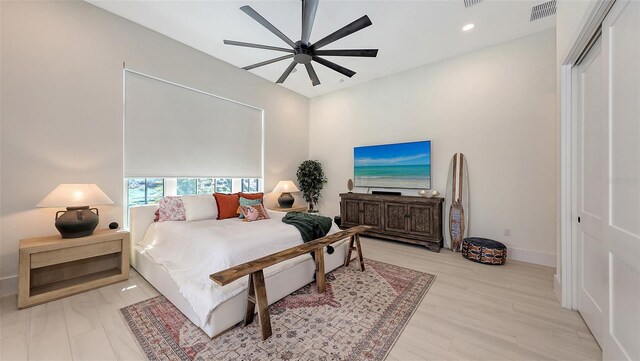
252, 195
255, 212
227, 205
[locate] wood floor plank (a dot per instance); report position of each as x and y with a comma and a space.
414, 347
48, 338
14, 330
81, 313
417, 333
586, 335
559, 348
453, 296
554, 315
14, 346
110, 302
92, 345
146, 287
476, 352
13, 320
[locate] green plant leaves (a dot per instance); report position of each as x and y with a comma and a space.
311, 180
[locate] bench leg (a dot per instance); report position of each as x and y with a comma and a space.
262, 303
360, 258
321, 280
251, 302
349, 249
257, 295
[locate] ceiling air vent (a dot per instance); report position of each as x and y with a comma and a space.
542, 10
468, 3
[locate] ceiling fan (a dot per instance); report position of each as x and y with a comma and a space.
304, 52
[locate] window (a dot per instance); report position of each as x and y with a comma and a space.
149, 190
186, 186
203, 185
144, 190
224, 185
250, 185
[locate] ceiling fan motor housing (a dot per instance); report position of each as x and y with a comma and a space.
303, 53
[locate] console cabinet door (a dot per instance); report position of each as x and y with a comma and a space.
351, 213
420, 217
372, 214
395, 215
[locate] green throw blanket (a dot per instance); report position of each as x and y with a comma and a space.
310, 226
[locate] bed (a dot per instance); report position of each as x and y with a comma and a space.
171, 256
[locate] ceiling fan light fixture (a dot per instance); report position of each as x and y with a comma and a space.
468, 27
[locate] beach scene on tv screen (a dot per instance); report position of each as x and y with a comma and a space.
403, 165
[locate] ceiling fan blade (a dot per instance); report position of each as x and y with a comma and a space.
357, 25
312, 74
369, 53
331, 65
309, 8
287, 71
266, 62
259, 46
257, 17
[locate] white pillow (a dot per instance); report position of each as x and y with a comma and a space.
199, 207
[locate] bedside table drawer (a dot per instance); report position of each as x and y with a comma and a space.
58, 256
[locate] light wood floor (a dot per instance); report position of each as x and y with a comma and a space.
472, 312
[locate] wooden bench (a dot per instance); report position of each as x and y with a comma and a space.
256, 290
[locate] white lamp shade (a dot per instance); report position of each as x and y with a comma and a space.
75, 195
285, 186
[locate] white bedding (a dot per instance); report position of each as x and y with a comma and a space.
191, 251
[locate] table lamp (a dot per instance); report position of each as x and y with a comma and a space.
78, 220
286, 187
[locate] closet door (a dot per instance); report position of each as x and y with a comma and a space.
593, 270
621, 49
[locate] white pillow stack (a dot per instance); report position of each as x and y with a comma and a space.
200, 207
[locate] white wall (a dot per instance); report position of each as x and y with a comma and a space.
61, 111
571, 16
496, 105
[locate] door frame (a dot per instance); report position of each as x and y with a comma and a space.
587, 36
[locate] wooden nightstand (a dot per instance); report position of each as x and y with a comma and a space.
52, 267
292, 209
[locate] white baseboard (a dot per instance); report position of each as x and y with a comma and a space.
557, 287
527, 255
8, 285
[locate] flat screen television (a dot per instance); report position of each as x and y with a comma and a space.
401, 165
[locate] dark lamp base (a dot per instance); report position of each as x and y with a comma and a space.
77, 222
286, 200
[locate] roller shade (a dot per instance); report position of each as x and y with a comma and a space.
171, 130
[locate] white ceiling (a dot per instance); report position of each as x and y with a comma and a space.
408, 33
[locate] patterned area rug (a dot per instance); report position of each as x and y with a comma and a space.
359, 317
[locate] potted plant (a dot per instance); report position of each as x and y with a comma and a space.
311, 180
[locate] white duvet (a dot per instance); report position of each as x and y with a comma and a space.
191, 251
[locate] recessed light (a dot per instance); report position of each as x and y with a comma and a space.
468, 27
